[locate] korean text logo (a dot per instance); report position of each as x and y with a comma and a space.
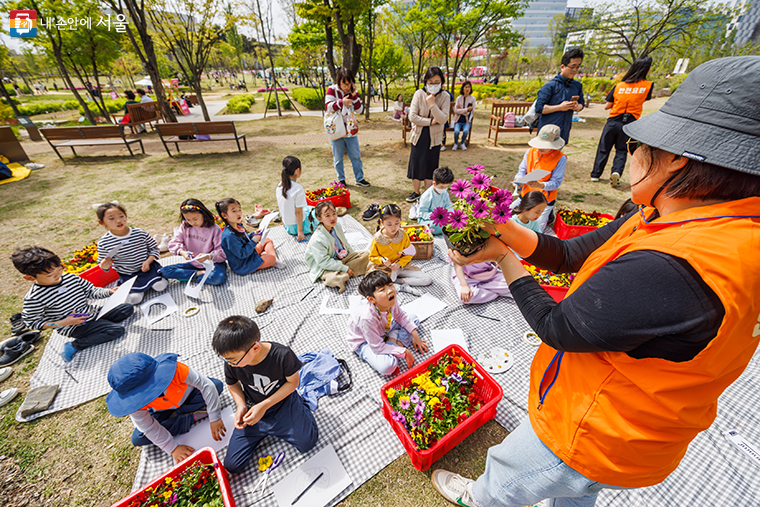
23, 23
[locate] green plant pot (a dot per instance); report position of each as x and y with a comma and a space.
463, 247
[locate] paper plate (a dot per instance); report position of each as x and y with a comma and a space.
498, 360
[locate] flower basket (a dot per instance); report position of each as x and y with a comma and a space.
557, 292
336, 194
485, 388
205, 456
424, 248
98, 277
566, 231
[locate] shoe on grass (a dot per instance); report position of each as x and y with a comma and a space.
68, 351
595, 179
5, 372
14, 350
363, 183
413, 197
615, 179
340, 211
455, 147
33, 166
372, 212
443, 147
343, 182
17, 325
454, 488
463, 147
7, 396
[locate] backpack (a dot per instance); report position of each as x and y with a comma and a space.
5, 172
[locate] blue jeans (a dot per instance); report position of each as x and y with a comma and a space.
339, 148
386, 364
465, 128
290, 420
177, 421
522, 470
184, 270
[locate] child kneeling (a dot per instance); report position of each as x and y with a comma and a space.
437, 195
329, 256
262, 378
379, 331
163, 397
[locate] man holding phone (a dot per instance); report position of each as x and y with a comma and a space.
560, 97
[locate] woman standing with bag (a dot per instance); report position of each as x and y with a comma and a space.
428, 113
463, 109
342, 98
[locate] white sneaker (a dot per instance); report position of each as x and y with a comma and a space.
463, 146
7, 396
163, 245
454, 488
5, 373
594, 179
454, 148
405, 287
615, 179
414, 211
32, 166
443, 147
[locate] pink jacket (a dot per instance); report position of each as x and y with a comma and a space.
198, 240
334, 102
366, 326
460, 107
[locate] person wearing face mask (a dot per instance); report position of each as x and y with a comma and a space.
428, 113
558, 98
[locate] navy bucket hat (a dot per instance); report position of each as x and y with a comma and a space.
713, 117
137, 379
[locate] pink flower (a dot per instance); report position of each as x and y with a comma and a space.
481, 209
440, 216
460, 188
501, 196
458, 219
501, 213
477, 168
481, 181
471, 198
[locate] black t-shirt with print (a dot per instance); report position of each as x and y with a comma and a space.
260, 381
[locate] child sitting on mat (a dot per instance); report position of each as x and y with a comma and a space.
58, 300
436, 196
245, 254
392, 250
198, 239
163, 397
379, 331
531, 206
329, 256
291, 199
479, 283
262, 378
137, 252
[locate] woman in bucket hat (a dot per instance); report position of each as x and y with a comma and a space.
544, 153
163, 397
623, 383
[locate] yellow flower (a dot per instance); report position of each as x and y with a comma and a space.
168, 480
265, 463
434, 401
167, 494
390, 392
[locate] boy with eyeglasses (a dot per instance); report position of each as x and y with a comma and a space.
262, 378
563, 95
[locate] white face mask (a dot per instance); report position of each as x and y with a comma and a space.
433, 88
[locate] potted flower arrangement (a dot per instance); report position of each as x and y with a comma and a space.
84, 263
422, 239
555, 284
572, 223
337, 193
463, 227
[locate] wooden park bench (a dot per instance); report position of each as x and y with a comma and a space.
99, 135
187, 132
498, 109
140, 114
406, 124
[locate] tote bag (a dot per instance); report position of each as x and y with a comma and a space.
334, 126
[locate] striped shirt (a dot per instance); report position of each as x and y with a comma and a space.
50, 303
136, 247
334, 101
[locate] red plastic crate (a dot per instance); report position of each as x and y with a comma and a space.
557, 293
486, 388
98, 277
207, 456
338, 200
564, 231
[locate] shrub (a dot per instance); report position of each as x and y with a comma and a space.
112, 106
310, 98
284, 103
406, 91
676, 81
46, 107
6, 113
12, 92
240, 104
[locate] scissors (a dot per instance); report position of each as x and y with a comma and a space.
263, 481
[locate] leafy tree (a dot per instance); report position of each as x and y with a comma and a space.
308, 45
4, 66
388, 65
412, 24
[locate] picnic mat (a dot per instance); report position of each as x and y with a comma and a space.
352, 422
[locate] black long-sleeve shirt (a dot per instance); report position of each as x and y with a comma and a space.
644, 303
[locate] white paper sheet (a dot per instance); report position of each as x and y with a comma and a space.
113, 251
117, 298
424, 307
534, 175
199, 435
334, 480
358, 241
195, 292
164, 299
264, 224
443, 338
353, 302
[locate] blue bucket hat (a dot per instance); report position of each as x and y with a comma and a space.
137, 379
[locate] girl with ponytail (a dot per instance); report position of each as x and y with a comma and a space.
291, 199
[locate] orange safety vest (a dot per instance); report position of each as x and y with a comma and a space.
546, 162
630, 98
174, 392
628, 422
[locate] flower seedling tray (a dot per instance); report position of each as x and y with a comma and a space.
486, 388
564, 231
557, 293
343, 200
98, 277
424, 249
206, 456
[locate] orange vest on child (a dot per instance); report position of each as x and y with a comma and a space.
546, 162
174, 392
628, 422
630, 98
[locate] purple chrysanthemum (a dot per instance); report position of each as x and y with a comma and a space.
457, 219
460, 188
414, 398
481, 181
419, 408
501, 213
404, 403
440, 216
501, 196
398, 416
475, 169
471, 198
481, 209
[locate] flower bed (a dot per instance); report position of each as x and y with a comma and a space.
336, 193
439, 403
572, 223
556, 285
422, 239
199, 481
84, 263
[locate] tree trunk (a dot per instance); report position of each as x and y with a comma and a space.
369, 66
65, 74
7, 96
329, 51
89, 91
23, 78
201, 102
100, 89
